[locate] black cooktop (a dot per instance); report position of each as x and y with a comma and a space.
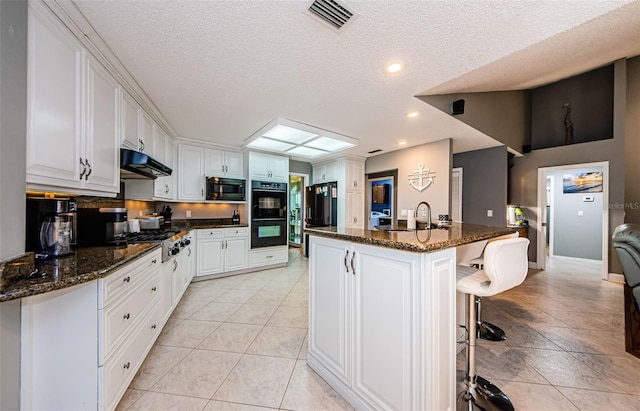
147, 236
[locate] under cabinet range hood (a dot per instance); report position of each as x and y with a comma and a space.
137, 165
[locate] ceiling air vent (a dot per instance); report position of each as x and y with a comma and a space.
331, 13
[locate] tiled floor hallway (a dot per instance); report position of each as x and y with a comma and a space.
239, 343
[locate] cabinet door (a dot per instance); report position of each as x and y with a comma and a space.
355, 175
131, 136
236, 254
234, 164
190, 173
166, 296
102, 139
382, 332
259, 166
214, 165
209, 257
54, 82
354, 209
177, 280
279, 167
154, 140
329, 302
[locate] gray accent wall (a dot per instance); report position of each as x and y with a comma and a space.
484, 185
301, 167
502, 115
524, 173
575, 235
13, 122
435, 157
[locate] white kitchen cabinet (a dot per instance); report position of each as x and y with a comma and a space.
261, 257
98, 351
268, 167
354, 206
191, 185
354, 174
378, 355
102, 155
132, 132
164, 187
222, 250
325, 172
219, 163
210, 252
72, 113
154, 146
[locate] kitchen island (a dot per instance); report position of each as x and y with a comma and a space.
382, 313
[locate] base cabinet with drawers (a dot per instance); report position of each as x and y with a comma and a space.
221, 250
82, 346
260, 257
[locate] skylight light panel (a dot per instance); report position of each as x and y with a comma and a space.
289, 134
269, 144
328, 144
304, 151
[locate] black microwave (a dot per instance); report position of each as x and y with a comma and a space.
225, 189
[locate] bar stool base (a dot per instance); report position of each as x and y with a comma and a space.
483, 396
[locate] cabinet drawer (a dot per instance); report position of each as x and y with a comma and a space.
213, 233
114, 377
267, 256
127, 278
118, 318
236, 232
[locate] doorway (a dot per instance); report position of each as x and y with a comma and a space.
573, 226
381, 199
297, 185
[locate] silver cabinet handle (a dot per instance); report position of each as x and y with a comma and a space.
202, 192
166, 189
189, 255
154, 261
127, 365
126, 279
269, 256
346, 267
175, 265
141, 144
353, 257
153, 327
127, 316
154, 289
86, 176
84, 168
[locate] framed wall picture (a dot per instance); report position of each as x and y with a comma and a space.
588, 182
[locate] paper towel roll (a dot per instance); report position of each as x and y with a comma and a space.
411, 220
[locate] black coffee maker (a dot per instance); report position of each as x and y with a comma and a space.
51, 227
102, 227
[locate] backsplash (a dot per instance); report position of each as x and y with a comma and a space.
98, 202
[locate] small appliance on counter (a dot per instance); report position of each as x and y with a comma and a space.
50, 227
235, 219
102, 226
515, 216
166, 213
151, 222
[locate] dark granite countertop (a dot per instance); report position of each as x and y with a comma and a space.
20, 278
422, 241
203, 223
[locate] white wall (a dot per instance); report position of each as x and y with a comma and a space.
434, 156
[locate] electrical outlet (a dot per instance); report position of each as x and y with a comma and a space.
489, 213
188, 212
580, 213
140, 213
403, 212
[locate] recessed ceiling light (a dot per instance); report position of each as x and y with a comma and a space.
394, 67
411, 114
402, 143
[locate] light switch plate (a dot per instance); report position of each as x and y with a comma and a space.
188, 212
580, 213
489, 213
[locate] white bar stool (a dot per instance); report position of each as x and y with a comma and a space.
505, 267
485, 330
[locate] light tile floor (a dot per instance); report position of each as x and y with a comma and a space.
239, 343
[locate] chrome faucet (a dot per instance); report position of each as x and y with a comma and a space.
428, 213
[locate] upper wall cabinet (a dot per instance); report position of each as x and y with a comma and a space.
323, 173
220, 163
72, 124
132, 125
191, 183
268, 167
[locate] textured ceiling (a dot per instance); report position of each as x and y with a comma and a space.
220, 70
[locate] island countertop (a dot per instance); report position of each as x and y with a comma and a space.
421, 241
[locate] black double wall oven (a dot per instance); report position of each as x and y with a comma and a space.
268, 214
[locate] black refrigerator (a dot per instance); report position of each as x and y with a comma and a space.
321, 207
